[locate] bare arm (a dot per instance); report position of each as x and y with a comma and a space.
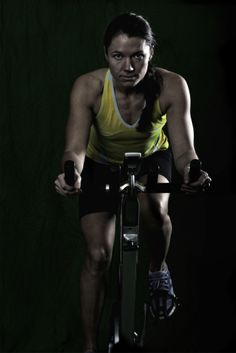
177, 104
83, 97
180, 125
79, 122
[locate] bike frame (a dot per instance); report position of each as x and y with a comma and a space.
124, 330
129, 248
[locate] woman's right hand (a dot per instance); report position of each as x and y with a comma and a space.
66, 190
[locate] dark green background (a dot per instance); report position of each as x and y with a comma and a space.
45, 45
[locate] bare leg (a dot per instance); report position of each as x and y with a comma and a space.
156, 226
99, 232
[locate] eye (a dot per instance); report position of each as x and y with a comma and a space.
117, 56
139, 56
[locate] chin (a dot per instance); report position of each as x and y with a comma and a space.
131, 83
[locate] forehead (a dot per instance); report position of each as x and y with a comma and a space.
125, 44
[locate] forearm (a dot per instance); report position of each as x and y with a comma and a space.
184, 159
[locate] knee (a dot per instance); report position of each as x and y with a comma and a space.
98, 260
156, 210
161, 213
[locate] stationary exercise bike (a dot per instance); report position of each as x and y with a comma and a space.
124, 336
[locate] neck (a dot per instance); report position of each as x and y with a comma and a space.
128, 91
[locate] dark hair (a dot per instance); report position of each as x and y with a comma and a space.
134, 25
131, 24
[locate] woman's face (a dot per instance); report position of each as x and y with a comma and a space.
128, 59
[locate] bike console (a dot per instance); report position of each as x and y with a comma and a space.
132, 163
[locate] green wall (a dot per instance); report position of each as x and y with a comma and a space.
45, 45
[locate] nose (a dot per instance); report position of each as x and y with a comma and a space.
128, 65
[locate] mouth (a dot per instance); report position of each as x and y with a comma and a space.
128, 78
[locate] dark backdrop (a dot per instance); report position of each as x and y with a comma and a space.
45, 45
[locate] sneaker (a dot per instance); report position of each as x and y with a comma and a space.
163, 299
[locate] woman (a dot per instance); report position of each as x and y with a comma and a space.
124, 108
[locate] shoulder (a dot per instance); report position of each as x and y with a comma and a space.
89, 85
170, 79
174, 88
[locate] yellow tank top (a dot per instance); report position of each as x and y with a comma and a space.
110, 136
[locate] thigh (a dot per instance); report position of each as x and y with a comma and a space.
154, 204
99, 230
157, 203
96, 176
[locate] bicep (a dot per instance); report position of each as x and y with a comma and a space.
79, 120
179, 122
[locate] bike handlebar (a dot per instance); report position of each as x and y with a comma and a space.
194, 173
69, 170
195, 170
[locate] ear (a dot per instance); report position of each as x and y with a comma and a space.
151, 53
105, 54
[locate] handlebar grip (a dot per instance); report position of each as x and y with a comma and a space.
195, 170
69, 170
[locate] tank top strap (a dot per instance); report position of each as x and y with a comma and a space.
106, 93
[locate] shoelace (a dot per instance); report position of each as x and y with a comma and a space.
160, 283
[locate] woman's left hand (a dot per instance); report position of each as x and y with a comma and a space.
201, 184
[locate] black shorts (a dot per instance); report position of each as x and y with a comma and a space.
97, 175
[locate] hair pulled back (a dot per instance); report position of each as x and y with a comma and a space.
134, 25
